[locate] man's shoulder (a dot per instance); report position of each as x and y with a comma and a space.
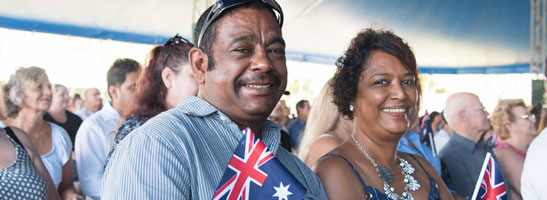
94, 117
302, 173
450, 149
174, 123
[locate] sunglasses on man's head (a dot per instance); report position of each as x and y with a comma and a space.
221, 5
177, 40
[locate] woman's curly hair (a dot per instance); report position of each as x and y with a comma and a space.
502, 114
351, 64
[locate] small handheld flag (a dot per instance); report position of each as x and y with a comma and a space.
427, 133
255, 173
490, 185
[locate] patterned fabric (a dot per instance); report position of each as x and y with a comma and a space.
492, 186
376, 194
411, 144
183, 152
126, 128
21, 180
255, 173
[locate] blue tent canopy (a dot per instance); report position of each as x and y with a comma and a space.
448, 37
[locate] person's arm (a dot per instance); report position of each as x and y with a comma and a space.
90, 158
338, 179
66, 187
37, 162
144, 167
511, 165
320, 147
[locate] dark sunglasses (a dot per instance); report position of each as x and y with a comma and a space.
177, 40
221, 5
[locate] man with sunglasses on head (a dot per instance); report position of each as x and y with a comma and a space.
240, 65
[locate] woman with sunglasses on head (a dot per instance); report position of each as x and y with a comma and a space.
516, 128
167, 78
28, 97
378, 87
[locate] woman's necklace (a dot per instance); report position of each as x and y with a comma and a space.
386, 176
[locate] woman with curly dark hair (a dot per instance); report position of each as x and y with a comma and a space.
167, 78
377, 86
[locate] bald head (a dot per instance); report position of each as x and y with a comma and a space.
465, 113
92, 99
456, 103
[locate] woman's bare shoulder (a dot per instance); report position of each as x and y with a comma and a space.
25, 140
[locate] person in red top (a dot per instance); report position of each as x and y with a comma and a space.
516, 128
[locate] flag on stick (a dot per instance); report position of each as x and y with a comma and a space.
426, 136
490, 185
255, 173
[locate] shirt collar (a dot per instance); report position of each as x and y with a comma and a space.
196, 106
110, 111
466, 143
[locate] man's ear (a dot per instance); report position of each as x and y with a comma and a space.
462, 116
167, 77
113, 91
198, 63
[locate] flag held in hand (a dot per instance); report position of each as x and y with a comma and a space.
255, 173
490, 185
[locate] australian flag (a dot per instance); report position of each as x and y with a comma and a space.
490, 185
255, 173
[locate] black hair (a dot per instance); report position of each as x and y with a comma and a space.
210, 34
352, 63
120, 68
300, 105
433, 115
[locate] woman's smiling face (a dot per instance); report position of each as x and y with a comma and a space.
386, 98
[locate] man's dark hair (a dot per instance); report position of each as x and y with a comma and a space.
444, 119
433, 115
210, 34
301, 105
117, 73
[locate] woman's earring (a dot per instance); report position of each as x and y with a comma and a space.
351, 108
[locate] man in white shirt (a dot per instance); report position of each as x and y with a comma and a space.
534, 174
92, 103
96, 134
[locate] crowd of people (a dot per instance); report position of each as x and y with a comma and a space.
171, 127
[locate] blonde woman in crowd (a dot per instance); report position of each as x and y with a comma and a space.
28, 98
326, 128
516, 128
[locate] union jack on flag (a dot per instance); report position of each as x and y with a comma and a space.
490, 185
255, 173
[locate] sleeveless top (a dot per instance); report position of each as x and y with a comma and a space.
21, 180
54, 160
373, 193
507, 145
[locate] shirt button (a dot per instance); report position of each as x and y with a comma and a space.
222, 118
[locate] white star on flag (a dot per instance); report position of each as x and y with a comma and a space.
282, 192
